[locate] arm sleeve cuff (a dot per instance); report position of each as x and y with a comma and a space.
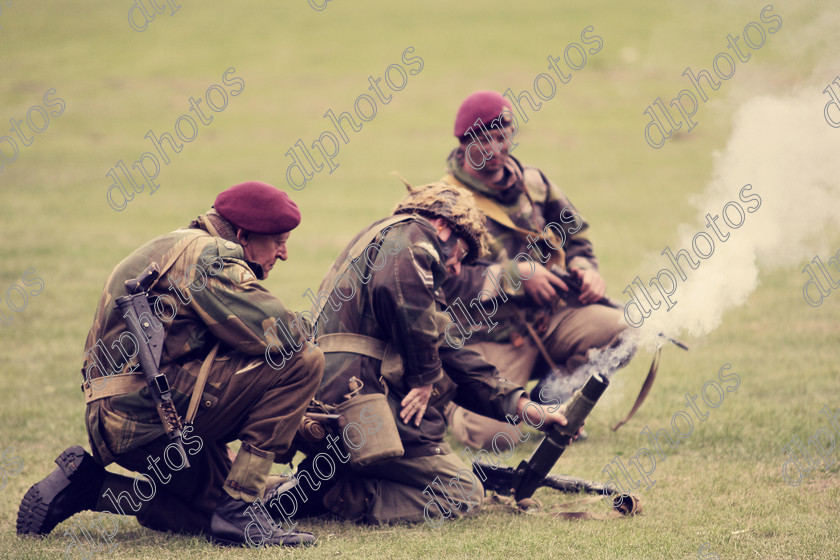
426, 379
511, 402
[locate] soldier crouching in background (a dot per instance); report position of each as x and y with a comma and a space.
218, 323
533, 229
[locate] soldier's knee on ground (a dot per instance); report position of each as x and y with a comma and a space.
350, 498
462, 496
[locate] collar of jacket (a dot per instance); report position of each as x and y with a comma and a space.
217, 226
505, 191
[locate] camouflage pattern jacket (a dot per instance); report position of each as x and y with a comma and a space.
393, 294
209, 294
530, 202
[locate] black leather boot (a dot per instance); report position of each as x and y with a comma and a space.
240, 523
71, 487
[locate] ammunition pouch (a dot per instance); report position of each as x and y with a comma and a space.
366, 448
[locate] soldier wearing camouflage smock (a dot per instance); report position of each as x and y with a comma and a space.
228, 348
381, 321
532, 226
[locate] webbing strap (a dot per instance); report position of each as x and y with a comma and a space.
177, 250
349, 342
201, 380
353, 343
117, 384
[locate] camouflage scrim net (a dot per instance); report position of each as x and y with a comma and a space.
456, 206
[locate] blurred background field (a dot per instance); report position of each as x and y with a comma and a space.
721, 486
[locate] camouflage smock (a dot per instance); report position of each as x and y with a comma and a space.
532, 203
395, 296
209, 294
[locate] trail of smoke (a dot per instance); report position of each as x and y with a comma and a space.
783, 147
604, 361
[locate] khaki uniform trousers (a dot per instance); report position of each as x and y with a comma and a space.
430, 488
257, 404
578, 330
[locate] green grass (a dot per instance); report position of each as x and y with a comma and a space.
721, 486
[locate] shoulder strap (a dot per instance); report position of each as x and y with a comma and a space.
532, 175
492, 210
198, 389
489, 207
200, 382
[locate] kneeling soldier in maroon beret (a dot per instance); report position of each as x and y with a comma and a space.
230, 375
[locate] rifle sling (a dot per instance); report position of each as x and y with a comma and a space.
537, 341
646, 386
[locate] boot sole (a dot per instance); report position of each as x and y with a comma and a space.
35, 507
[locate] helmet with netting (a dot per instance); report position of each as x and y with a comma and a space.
456, 206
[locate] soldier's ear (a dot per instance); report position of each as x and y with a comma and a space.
242, 237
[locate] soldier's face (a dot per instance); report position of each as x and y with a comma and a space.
497, 145
265, 249
456, 255
454, 248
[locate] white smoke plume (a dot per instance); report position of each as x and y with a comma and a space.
784, 148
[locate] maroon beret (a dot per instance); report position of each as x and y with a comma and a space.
485, 105
258, 207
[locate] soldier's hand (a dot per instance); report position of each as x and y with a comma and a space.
414, 404
543, 285
542, 421
592, 285
539, 416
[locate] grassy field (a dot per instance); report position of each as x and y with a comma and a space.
722, 485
